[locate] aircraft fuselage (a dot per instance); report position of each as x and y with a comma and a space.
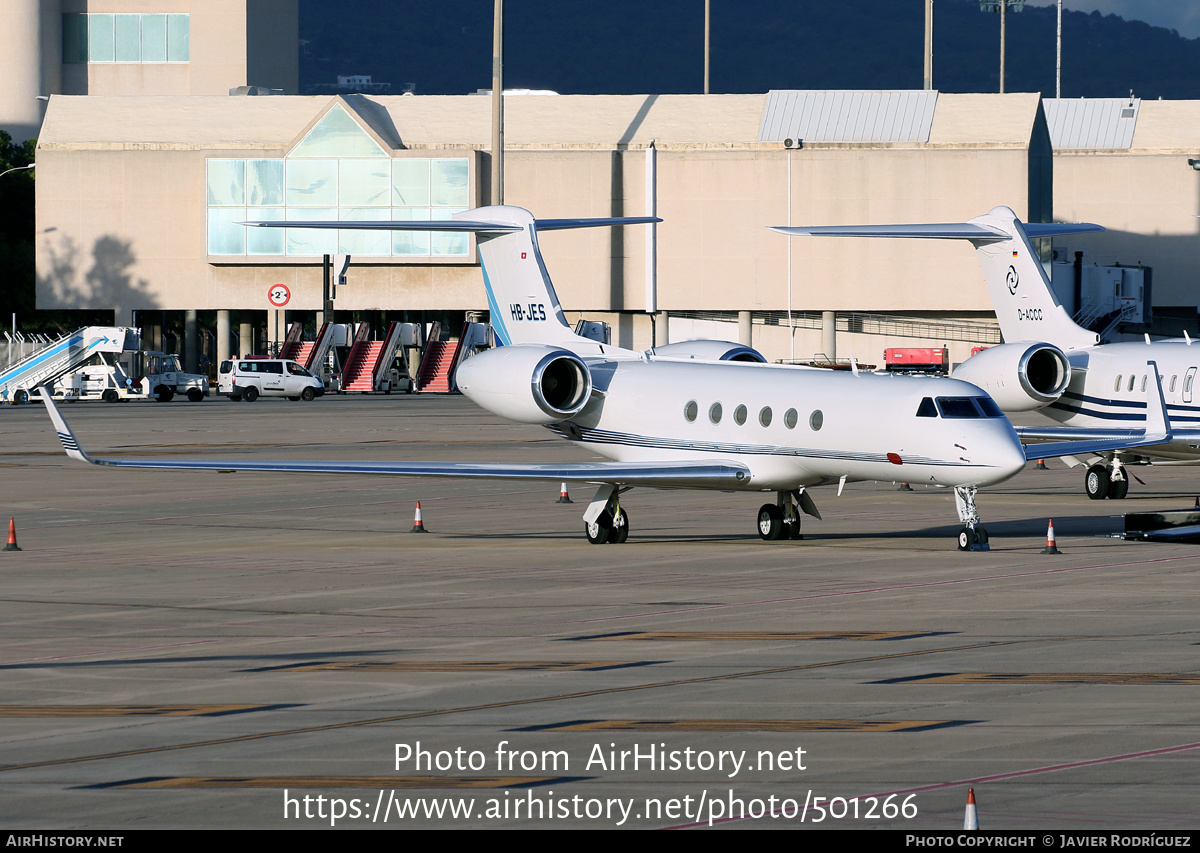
793, 426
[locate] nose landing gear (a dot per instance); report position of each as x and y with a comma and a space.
972, 536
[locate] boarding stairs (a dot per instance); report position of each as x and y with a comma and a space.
292, 345
369, 363
441, 358
63, 356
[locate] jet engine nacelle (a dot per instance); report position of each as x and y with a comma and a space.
711, 351
527, 383
1020, 376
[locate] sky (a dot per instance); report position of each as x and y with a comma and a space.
1180, 15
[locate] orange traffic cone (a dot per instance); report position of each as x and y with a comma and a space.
12, 536
563, 497
1041, 465
1050, 548
905, 487
971, 818
418, 526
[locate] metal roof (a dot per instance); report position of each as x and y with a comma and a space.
848, 116
1096, 124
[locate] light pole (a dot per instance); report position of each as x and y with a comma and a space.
1058, 56
17, 169
707, 27
498, 103
1001, 6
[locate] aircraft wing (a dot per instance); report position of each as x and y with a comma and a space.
1063, 433
696, 474
1157, 431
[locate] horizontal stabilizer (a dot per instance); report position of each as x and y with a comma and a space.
392, 225
561, 224
453, 224
948, 230
939, 231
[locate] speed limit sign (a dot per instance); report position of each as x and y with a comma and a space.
278, 295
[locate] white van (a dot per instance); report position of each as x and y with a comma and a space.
249, 378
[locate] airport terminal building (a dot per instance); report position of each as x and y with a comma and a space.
139, 195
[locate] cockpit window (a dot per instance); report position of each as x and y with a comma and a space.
989, 407
927, 409
958, 407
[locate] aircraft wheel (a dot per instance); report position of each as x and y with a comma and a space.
308, 395
770, 522
250, 394
966, 539
620, 532
598, 531
1096, 482
981, 534
21, 397
110, 396
1118, 489
195, 395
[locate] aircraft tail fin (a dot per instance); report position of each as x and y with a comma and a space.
524, 307
1026, 305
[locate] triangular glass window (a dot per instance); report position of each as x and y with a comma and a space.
337, 135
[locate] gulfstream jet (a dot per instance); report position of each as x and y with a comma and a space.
694, 415
1049, 363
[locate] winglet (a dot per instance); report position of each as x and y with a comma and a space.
1158, 422
1157, 430
69, 442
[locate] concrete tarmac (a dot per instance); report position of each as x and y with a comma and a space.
203, 650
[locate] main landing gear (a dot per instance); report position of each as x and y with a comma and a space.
605, 522
780, 520
1106, 481
972, 536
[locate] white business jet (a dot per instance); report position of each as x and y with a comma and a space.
693, 415
1098, 391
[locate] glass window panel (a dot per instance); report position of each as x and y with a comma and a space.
364, 182
957, 407
226, 182
264, 241
264, 182
128, 40
365, 243
453, 243
100, 38
178, 38
409, 243
154, 38
225, 236
312, 241
75, 38
312, 182
410, 181
448, 183
337, 135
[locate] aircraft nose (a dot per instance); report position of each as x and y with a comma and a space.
1010, 455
